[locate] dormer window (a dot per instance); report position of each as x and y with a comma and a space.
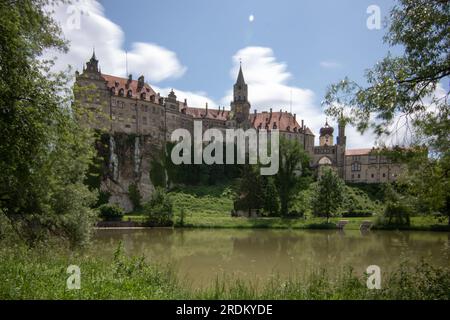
129, 93
113, 91
143, 96
274, 125
152, 98
121, 92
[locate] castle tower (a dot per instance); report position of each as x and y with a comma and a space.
341, 146
240, 107
341, 139
326, 135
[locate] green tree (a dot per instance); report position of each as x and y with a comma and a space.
44, 152
135, 196
293, 175
271, 199
409, 93
328, 196
159, 209
251, 194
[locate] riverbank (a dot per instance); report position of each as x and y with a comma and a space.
210, 207
40, 273
224, 221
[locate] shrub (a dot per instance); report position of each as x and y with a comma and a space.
357, 214
135, 196
396, 214
111, 212
159, 209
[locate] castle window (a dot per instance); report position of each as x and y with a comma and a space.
356, 166
359, 176
373, 159
121, 92
384, 175
113, 90
152, 98
129, 93
372, 175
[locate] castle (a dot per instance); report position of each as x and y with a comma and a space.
129, 106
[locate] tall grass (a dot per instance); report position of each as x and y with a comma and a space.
40, 273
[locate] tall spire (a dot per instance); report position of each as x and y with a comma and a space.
94, 58
240, 78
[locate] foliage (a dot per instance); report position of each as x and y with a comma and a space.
111, 212
329, 194
396, 214
293, 174
135, 196
41, 274
271, 199
250, 195
200, 174
159, 209
357, 213
44, 152
408, 95
158, 174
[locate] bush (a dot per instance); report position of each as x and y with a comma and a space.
396, 214
111, 212
159, 209
135, 196
357, 214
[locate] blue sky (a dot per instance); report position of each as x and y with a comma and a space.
291, 48
205, 34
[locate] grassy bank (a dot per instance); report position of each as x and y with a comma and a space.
41, 274
210, 207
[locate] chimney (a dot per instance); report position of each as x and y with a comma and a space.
295, 117
303, 124
207, 107
141, 82
185, 102
130, 78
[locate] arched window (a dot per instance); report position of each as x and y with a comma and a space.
325, 161
121, 92
129, 93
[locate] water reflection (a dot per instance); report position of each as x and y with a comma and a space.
202, 255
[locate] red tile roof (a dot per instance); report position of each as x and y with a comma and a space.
122, 83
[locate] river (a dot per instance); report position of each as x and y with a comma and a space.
201, 255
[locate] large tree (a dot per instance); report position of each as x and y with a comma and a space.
44, 152
328, 195
406, 96
293, 174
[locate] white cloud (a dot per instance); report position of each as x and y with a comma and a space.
267, 77
268, 82
194, 99
330, 64
85, 26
